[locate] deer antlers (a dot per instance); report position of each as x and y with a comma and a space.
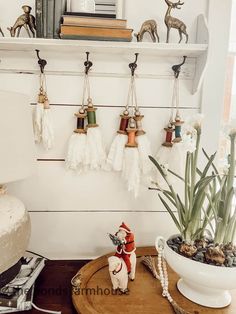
174, 4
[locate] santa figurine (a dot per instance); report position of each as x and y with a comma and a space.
124, 240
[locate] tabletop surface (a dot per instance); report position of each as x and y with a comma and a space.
53, 292
145, 293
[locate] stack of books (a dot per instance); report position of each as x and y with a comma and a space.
94, 27
18, 294
48, 17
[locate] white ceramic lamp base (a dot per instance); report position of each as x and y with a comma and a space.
14, 231
204, 296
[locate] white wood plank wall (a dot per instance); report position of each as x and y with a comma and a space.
72, 214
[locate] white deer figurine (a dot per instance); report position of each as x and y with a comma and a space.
172, 22
118, 272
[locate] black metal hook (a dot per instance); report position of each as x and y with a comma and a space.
177, 68
42, 63
88, 64
133, 65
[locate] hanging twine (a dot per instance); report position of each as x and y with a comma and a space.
131, 129
124, 122
138, 117
43, 99
90, 110
175, 101
176, 122
135, 112
81, 114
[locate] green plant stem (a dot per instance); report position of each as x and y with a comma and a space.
232, 163
193, 167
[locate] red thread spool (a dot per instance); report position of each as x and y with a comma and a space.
168, 136
169, 133
124, 122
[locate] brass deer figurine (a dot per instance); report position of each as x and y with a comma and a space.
172, 22
26, 20
149, 26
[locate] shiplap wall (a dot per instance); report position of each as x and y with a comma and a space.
72, 214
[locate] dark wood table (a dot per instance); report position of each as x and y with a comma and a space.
53, 291
53, 287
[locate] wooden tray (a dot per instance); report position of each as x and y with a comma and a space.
95, 296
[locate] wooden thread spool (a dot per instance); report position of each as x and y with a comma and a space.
178, 125
46, 102
91, 115
41, 97
81, 115
138, 118
131, 130
124, 122
169, 133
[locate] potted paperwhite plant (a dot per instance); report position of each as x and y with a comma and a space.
203, 253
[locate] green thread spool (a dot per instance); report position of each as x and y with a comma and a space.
91, 115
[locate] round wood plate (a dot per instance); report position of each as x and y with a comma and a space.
145, 294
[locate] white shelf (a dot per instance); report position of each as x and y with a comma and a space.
80, 46
199, 51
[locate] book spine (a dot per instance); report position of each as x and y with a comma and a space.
95, 38
59, 10
111, 13
9, 310
50, 18
96, 23
39, 18
111, 2
106, 15
45, 14
4, 302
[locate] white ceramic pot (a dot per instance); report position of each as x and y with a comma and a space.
204, 284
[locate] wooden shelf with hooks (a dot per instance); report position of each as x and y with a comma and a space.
198, 50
